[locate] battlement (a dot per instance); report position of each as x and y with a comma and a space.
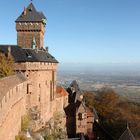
29, 26
35, 66
10, 99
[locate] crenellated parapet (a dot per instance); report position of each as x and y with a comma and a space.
10, 98
35, 66
29, 26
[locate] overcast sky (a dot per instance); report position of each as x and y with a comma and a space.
82, 31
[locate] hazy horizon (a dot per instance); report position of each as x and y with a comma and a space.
108, 68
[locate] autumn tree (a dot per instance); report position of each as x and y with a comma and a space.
115, 112
89, 99
6, 65
106, 102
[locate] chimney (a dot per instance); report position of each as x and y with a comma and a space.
47, 49
9, 51
24, 12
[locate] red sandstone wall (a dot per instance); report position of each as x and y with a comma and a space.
42, 78
12, 107
26, 32
15, 102
81, 124
25, 39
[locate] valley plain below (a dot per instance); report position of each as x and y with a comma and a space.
124, 82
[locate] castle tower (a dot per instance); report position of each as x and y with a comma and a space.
30, 25
35, 90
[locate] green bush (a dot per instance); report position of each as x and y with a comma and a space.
49, 137
25, 121
17, 137
6, 65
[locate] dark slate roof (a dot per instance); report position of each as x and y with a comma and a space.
32, 15
70, 110
28, 55
82, 137
74, 91
127, 135
79, 104
75, 86
101, 132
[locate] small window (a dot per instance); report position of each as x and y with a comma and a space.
39, 85
16, 88
80, 116
39, 98
29, 88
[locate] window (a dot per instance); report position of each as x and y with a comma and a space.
16, 88
53, 73
81, 116
51, 96
39, 98
52, 86
29, 88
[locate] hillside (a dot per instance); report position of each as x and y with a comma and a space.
115, 112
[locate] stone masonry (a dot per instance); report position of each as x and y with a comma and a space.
30, 24
34, 87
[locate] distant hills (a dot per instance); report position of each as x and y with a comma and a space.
124, 79
102, 69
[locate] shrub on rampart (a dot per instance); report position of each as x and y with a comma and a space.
6, 65
17, 137
25, 122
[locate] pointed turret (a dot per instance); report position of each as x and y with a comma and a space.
74, 92
127, 135
30, 14
29, 24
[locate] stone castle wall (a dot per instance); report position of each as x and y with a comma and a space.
41, 86
26, 32
38, 91
12, 108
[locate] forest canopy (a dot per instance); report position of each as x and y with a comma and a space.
115, 112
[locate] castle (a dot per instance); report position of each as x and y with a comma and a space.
34, 86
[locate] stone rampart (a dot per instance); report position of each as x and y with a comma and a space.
12, 108
35, 66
